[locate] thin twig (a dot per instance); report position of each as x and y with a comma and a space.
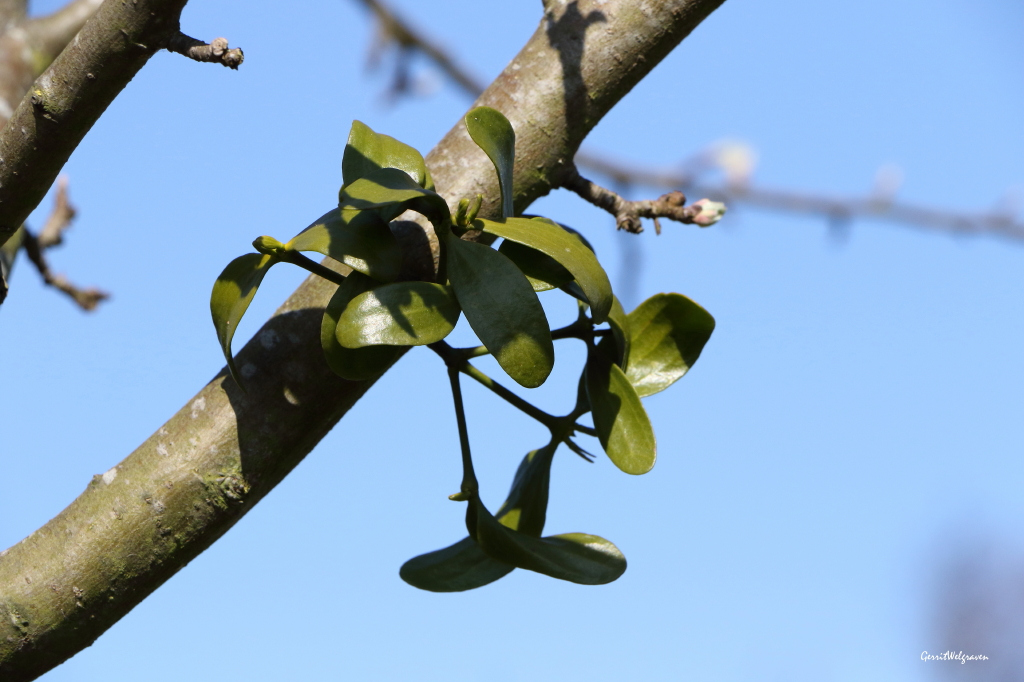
216, 51
60, 218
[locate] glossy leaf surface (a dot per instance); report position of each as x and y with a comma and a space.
359, 239
620, 420
502, 309
464, 566
368, 151
398, 314
566, 248
668, 334
494, 134
542, 272
392, 191
576, 557
355, 364
232, 293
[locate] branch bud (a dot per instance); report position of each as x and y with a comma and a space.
710, 212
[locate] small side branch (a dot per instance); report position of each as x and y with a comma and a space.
628, 213
216, 51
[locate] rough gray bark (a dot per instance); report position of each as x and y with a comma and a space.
139, 523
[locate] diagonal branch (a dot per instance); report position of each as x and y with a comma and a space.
136, 525
49, 35
216, 51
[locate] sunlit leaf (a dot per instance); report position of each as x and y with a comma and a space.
355, 364
232, 293
359, 239
398, 314
493, 133
620, 420
393, 191
566, 248
464, 566
368, 151
502, 309
576, 557
668, 334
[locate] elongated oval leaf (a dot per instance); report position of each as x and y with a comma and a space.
566, 248
393, 191
232, 293
494, 134
542, 272
576, 557
668, 334
502, 309
368, 151
525, 508
354, 364
459, 567
620, 420
398, 314
359, 239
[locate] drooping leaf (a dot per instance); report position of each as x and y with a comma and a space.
464, 566
502, 309
456, 568
576, 557
359, 239
620, 420
493, 133
391, 191
232, 293
542, 272
398, 314
566, 248
354, 364
668, 334
368, 151
618, 320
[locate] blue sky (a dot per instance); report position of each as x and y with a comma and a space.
853, 424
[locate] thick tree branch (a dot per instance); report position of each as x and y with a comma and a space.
71, 95
143, 520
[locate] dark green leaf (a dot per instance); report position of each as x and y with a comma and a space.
393, 191
231, 296
502, 309
359, 239
543, 272
668, 334
576, 557
355, 364
459, 567
464, 566
620, 337
368, 151
566, 248
493, 133
620, 420
398, 314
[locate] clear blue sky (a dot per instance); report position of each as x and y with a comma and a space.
854, 423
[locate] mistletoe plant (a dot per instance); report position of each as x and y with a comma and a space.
374, 315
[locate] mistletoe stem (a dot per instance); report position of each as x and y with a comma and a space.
469, 482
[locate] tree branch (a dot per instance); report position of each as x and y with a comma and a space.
217, 51
49, 35
139, 523
71, 95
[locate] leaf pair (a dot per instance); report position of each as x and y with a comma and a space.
497, 545
656, 344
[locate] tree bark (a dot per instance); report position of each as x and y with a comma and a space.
138, 524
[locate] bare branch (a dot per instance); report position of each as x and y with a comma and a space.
217, 51
49, 35
87, 299
628, 213
59, 219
